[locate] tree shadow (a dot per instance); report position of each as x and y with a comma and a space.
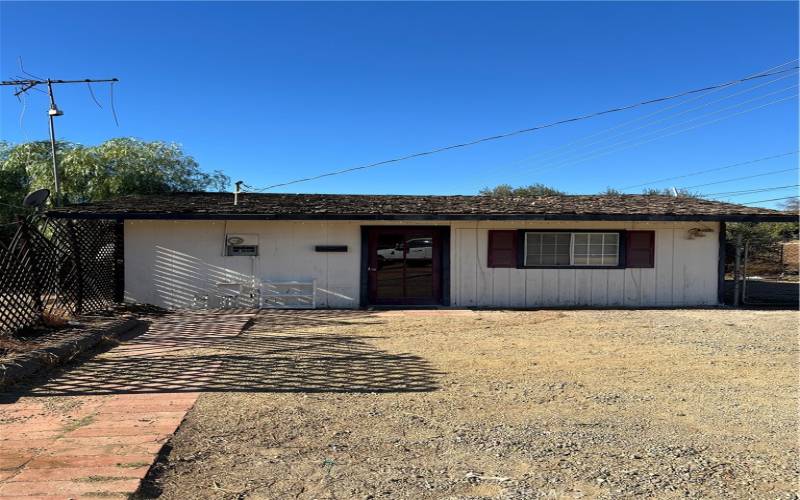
239, 351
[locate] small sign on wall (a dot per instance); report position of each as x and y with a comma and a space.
330, 248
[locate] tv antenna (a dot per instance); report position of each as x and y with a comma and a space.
24, 85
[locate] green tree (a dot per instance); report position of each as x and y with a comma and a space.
762, 235
791, 205
90, 173
507, 190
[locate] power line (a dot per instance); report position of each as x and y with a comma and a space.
745, 192
531, 129
698, 172
622, 145
740, 178
705, 115
764, 201
748, 192
602, 132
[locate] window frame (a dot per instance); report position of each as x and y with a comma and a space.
621, 248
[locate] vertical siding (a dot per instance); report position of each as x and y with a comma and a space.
685, 271
465, 265
599, 291
583, 287
170, 263
174, 263
664, 258
517, 289
485, 292
632, 289
534, 279
501, 287
616, 287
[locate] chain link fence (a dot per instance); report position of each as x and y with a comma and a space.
54, 269
768, 274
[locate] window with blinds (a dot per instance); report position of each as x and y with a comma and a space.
595, 249
547, 249
572, 249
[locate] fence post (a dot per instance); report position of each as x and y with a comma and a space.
744, 271
737, 253
119, 261
78, 261
34, 261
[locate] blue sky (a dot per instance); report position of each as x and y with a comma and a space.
269, 92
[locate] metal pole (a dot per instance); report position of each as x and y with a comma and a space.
737, 262
744, 272
52, 113
236, 192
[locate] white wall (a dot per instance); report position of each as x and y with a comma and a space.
685, 271
169, 263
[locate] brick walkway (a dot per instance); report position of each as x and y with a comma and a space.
94, 432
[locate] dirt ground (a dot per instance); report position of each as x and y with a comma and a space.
462, 404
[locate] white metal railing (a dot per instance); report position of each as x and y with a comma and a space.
288, 294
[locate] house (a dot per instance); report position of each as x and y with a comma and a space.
349, 251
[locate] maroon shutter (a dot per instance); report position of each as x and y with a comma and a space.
640, 248
503, 248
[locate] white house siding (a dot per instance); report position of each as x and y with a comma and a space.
685, 271
172, 263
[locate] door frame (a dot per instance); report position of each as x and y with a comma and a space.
444, 275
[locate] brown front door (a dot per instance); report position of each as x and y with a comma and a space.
405, 265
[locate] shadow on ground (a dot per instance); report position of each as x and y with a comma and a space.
240, 351
768, 293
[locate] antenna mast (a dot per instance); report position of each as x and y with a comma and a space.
26, 85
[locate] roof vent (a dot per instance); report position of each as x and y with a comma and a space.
236, 192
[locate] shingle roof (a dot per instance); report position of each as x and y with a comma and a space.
376, 207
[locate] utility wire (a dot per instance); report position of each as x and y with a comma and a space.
91, 93
680, 131
764, 201
22, 68
113, 107
675, 115
647, 124
23, 99
740, 178
745, 192
531, 129
626, 144
699, 172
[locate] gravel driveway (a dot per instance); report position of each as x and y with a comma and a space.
461, 404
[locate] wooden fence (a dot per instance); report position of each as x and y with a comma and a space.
54, 269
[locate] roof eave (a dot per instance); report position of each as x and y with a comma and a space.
64, 214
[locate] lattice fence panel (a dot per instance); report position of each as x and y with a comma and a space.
96, 242
53, 269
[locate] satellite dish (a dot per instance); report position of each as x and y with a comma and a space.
36, 199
